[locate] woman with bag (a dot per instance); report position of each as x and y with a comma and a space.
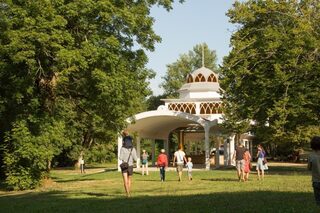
127, 155
261, 154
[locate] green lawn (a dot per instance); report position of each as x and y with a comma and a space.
286, 188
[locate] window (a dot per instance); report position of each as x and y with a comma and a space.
212, 78
189, 79
200, 78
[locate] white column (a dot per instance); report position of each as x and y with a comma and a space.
119, 147
225, 151
206, 146
166, 146
197, 108
217, 155
153, 151
138, 151
231, 146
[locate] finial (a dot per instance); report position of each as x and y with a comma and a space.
202, 55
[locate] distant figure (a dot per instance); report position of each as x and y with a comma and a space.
162, 163
261, 154
314, 166
180, 157
127, 154
247, 163
189, 168
238, 157
81, 161
144, 163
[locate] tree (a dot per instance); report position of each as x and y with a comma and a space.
71, 72
272, 73
177, 72
154, 102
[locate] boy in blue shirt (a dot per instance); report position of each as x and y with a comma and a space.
189, 166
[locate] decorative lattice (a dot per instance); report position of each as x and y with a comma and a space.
200, 78
183, 107
212, 78
211, 108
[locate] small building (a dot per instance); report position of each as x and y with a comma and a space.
195, 118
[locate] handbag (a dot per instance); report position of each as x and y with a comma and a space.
264, 161
125, 165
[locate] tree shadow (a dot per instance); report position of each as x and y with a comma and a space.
221, 179
153, 180
60, 201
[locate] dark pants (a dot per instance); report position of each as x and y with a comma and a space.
316, 190
82, 168
162, 173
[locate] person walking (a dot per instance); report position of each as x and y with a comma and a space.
144, 163
127, 155
162, 163
247, 164
189, 168
179, 155
81, 161
238, 158
314, 167
261, 161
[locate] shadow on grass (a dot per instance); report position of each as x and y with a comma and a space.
287, 170
154, 180
59, 201
81, 177
222, 179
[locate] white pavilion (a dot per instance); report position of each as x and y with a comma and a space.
195, 117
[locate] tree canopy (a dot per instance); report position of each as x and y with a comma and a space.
71, 72
177, 71
272, 73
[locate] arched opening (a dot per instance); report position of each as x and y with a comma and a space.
212, 78
200, 78
189, 79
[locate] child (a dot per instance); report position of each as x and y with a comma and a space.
314, 166
189, 167
162, 163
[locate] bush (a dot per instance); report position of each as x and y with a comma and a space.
27, 156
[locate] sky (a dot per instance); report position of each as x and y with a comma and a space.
188, 24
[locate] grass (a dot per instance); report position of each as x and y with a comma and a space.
286, 188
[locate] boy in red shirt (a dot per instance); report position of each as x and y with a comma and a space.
162, 163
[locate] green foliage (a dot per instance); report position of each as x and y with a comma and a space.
153, 102
71, 72
272, 73
28, 154
177, 72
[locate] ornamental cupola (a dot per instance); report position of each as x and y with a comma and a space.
201, 83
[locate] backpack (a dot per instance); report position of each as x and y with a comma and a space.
162, 159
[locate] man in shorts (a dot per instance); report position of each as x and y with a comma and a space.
240, 162
180, 156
